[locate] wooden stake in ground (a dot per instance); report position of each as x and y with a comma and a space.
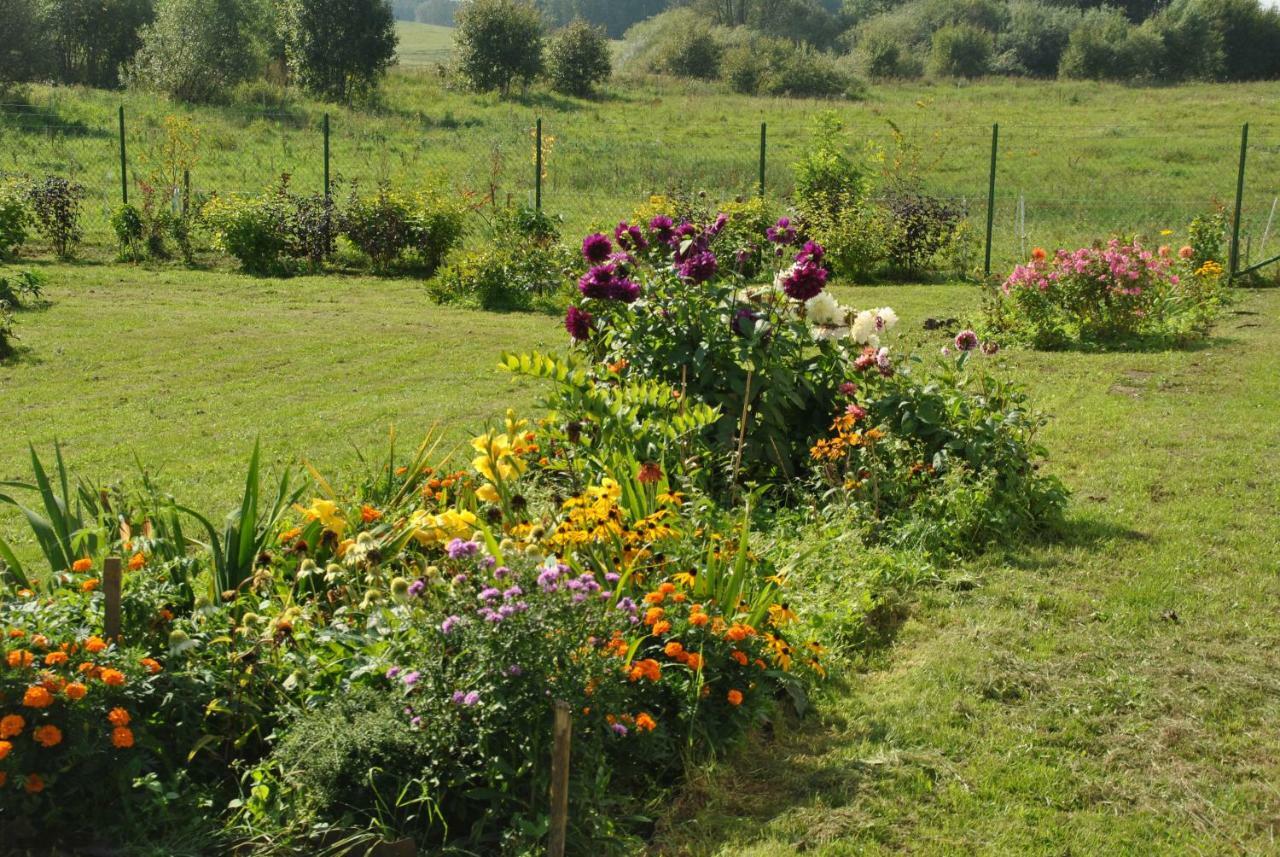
111, 583
562, 732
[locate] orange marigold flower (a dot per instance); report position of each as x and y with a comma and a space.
1038, 254
93, 645
47, 736
90, 584
122, 738
655, 597
115, 678
19, 658
653, 614
368, 514
667, 588
647, 668
137, 561
698, 619
34, 784
661, 627
37, 697
80, 566
673, 649
694, 661
151, 665
54, 659
75, 690
735, 697
11, 725
17, 633
738, 631
740, 657
679, 598
118, 717
5, 749
645, 723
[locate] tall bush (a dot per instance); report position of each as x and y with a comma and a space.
196, 50
498, 43
578, 59
960, 50
338, 49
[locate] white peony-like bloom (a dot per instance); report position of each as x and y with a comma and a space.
823, 309
864, 327
888, 318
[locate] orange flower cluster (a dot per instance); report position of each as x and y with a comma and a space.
845, 439
647, 668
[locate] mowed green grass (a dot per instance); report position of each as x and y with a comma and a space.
1116, 692
1077, 160
422, 44
186, 369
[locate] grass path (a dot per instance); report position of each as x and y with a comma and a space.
1115, 694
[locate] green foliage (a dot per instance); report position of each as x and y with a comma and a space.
1106, 46
412, 230
196, 51
89, 41
578, 59
20, 288
338, 49
15, 217
498, 43
771, 66
56, 207
960, 50
689, 52
827, 178
1206, 236
253, 230
507, 275
126, 222
1034, 39
7, 337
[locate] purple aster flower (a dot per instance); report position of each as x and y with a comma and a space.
596, 248
459, 579
411, 678
457, 697
515, 669
506, 611
578, 323
966, 340
415, 722
699, 267
447, 626
598, 282
619, 729
458, 549
579, 597
662, 228
547, 579
612, 577
392, 672
417, 587
501, 572
624, 290
489, 594
488, 562
630, 237
472, 698
626, 604
513, 592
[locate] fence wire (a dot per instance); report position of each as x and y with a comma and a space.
1056, 184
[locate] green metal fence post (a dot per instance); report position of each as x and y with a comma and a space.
124, 169
1234, 263
764, 146
991, 196
326, 156
537, 167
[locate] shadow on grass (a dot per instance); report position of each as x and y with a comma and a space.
21, 116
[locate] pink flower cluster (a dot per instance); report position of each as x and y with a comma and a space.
1122, 267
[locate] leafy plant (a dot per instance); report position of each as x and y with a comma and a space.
56, 206
15, 217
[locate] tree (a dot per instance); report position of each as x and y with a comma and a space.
338, 49
89, 40
196, 49
498, 42
22, 50
578, 59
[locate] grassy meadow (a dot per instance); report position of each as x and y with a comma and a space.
1075, 159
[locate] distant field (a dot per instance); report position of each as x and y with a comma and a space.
1077, 160
423, 44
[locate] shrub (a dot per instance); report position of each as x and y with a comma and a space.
960, 50
927, 234
692, 52
55, 206
1105, 46
1034, 39
1117, 291
15, 217
392, 228
511, 275
7, 335
498, 43
578, 59
254, 230
21, 288
826, 177
126, 222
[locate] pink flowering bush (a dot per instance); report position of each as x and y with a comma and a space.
1120, 290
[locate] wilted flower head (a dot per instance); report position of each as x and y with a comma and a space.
578, 323
966, 340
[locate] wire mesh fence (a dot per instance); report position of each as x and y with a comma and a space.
1055, 184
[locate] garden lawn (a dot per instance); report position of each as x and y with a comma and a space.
184, 369
1114, 693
